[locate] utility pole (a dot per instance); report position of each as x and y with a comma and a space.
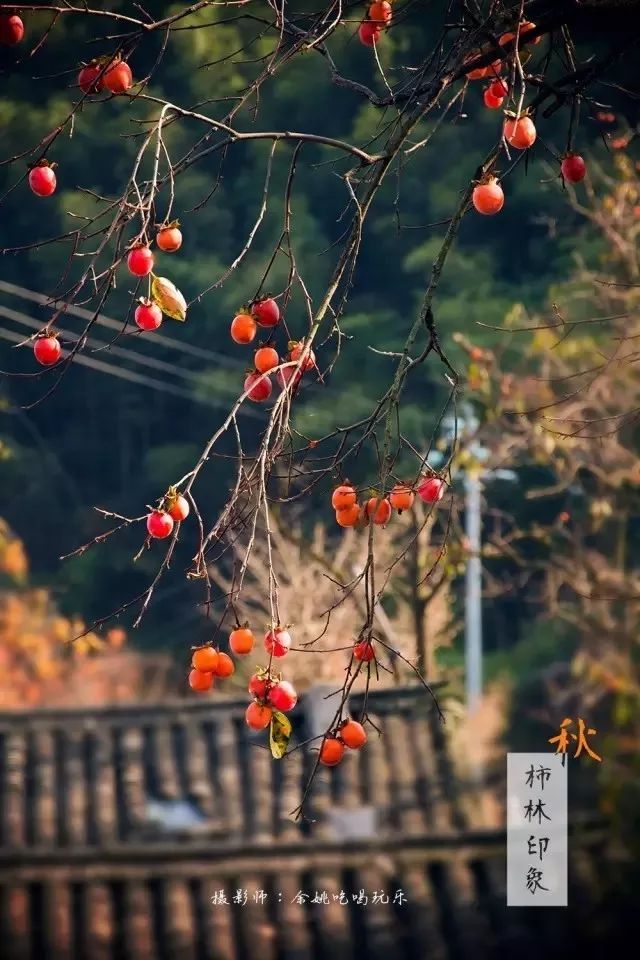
461, 429
473, 590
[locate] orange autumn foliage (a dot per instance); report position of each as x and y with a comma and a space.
41, 664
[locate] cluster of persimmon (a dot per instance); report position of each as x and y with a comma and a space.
114, 75
174, 508
106, 73
492, 70
350, 734
379, 16
378, 509
276, 641
207, 664
495, 93
265, 313
270, 692
519, 129
140, 261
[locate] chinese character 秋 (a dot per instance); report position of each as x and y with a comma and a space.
533, 879
543, 843
562, 739
541, 775
530, 811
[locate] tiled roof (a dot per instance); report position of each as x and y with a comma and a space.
119, 827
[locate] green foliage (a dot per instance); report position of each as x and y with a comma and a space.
543, 644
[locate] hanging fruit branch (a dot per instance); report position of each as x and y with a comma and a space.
509, 45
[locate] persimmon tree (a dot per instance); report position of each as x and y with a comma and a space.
532, 72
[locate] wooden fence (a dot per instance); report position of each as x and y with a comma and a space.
137, 833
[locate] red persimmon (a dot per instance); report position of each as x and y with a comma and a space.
148, 316
488, 198
11, 29
42, 180
258, 716
118, 77
331, 751
277, 642
266, 312
353, 734
169, 238
47, 350
205, 659
140, 261
199, 681
241, 641
159, 524
283, 696
259, 387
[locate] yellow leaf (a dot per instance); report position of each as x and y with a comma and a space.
166, 295
543, 341
279, 734
517, 316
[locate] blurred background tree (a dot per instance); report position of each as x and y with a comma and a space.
41, 667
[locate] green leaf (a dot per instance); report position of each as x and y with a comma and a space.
279, 734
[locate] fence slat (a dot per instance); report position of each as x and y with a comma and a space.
164, 761
76, 787
15, 921
179, 920
57, 921
14, 788
44, 803
258, 931
227, 774
377, 916
199, 783
138, 926
132, 759
333, 931
103, 786
219, 932
99, 930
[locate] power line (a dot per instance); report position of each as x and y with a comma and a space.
134, 377
114, 349
150, 336
173, 344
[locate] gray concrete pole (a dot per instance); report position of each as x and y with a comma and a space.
473, 598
